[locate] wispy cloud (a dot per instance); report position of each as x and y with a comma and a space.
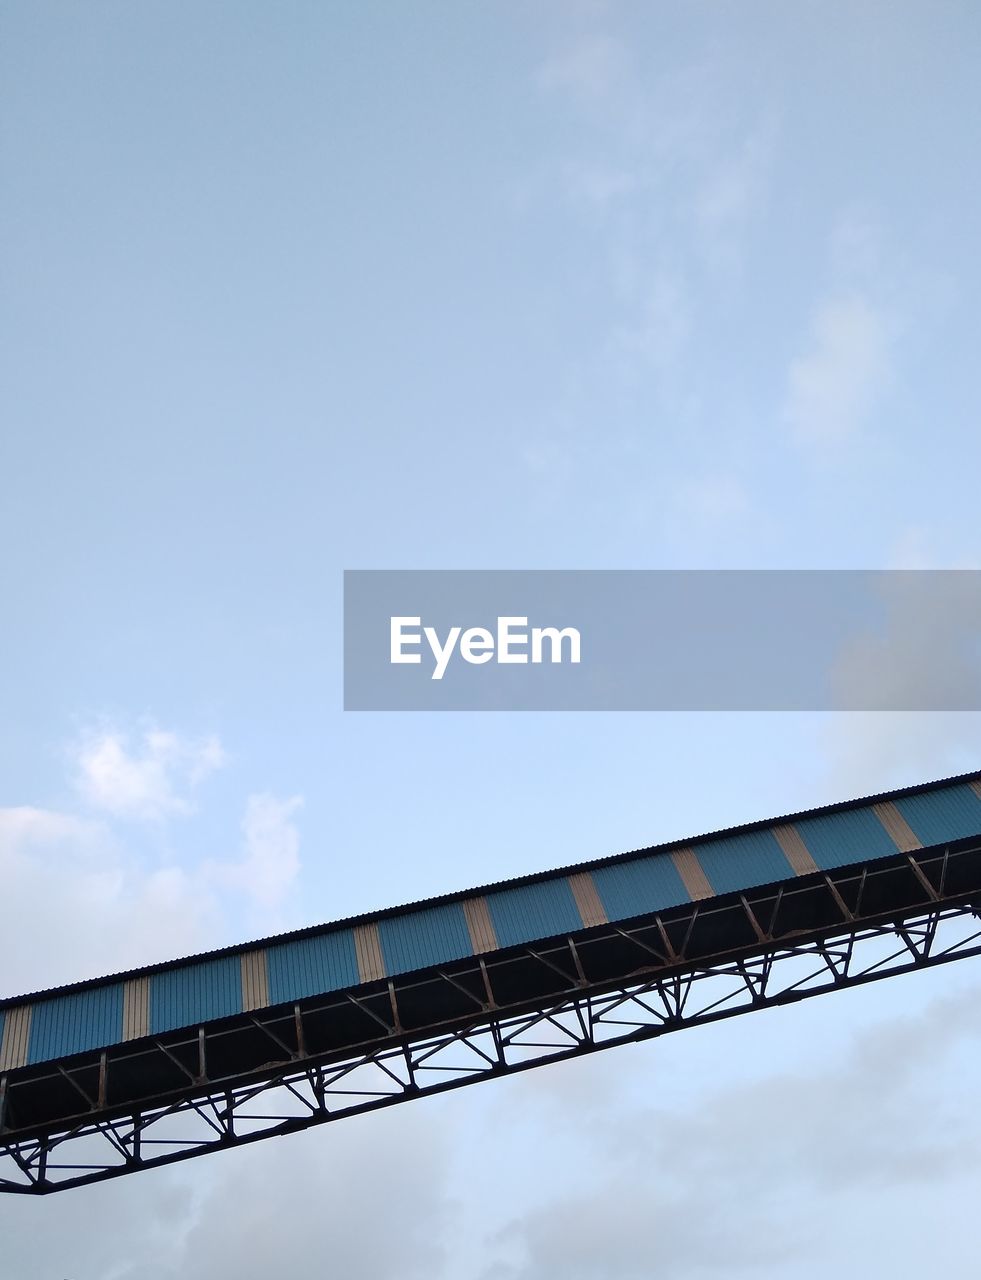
308, 1200
658, 330
265, 1209
835, 385
663, 180
871, 751
104, 909
148, 780
271, 858
826, 1133
731, 194
110, 903
591, 68
920, 652
925, 648
714, 500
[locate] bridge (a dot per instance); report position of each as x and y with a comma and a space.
114, 1075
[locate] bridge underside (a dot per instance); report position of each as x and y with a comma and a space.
275, 1071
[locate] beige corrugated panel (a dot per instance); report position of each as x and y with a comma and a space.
692, 875
480, 925
797, 853
136, 1008
900, 832
587, 899
255, 980
367, 947
16, 1030
976, 787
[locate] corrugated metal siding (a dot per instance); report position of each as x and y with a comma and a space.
136, 1008
533, 911
634, 888
196, 993
368, 951
308, 966
71, 1024
900, 832
424, 937
16, 1032
692, 876
588, 900
738, 862
479, 925
939, 816
795, 850
255, 980
834, 839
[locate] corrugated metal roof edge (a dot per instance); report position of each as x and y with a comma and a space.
460, 895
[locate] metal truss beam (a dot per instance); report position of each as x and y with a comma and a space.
281, 1070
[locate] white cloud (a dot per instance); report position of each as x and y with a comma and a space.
656, 336
857, 250
316, 1196
599, 184
911, 549
25, 827
837, 383
920, 654
271, 861
714, 500
709, 518
923, 652
870, 751
78, 904
731, 195
669, 180
810, 1137
150, 781
269, 1209
590, 68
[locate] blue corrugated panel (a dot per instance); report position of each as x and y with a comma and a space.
631, 888
424, 937
72, 1024
533, 911
939, 816
195, 993
308, 966
835, 839
739, 862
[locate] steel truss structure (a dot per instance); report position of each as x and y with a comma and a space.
276, 1071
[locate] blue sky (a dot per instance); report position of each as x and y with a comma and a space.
288, 289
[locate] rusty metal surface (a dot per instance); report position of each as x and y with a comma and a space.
693, 877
